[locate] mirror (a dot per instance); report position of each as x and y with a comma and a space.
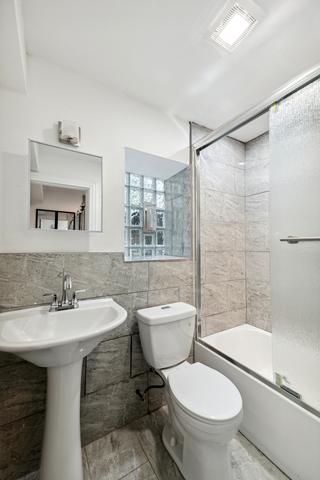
65, 189
157, 207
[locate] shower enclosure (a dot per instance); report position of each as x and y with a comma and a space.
257, 241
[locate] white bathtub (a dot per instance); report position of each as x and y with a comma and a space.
287, 433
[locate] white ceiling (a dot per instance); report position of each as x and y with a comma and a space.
253, 129
156, 51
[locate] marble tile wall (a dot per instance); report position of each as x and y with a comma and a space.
257, 202
235, 257
111, 373
222, 172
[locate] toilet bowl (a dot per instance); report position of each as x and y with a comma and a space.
205, 414
205, 407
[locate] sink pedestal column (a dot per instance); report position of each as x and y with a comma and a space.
61, 452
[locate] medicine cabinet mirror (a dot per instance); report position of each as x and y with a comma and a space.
65, 189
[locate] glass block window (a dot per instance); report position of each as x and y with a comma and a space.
141, 193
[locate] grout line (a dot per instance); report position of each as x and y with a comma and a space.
130, 356
42, 411
256, 194
142, 446
111, 385
84, 453
154, 471
129, 473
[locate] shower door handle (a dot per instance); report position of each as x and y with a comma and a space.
292, 239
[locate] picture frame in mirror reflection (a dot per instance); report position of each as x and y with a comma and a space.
65, 187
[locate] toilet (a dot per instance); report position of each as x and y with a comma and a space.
205, 407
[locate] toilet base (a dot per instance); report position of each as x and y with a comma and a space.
218, 468
171, 443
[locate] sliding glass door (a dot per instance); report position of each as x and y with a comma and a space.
295, 265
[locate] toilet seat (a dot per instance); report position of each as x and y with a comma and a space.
205, 394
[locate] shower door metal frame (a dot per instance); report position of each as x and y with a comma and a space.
225, 129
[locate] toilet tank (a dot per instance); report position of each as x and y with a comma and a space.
166, 333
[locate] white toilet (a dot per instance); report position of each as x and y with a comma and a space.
205, 407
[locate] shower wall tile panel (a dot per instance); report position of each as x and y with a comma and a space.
223, 207
227, 151
257, 211
257, 207
259, 304
258, 237
219, 237
257, 152
111, 373
257, 179
235, 240
223, 235
258, 266
220, 322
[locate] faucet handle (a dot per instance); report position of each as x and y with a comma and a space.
75, 300
51, 294
54, 303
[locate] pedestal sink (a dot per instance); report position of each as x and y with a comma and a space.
58, 341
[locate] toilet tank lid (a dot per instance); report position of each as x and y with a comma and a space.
170, 312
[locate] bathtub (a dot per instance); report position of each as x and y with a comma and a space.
284, 431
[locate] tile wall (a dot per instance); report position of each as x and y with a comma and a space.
235, 244
257, 206
222, 180
111, 373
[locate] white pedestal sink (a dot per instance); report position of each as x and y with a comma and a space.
59, 341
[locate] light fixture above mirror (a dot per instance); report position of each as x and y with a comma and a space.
69, 133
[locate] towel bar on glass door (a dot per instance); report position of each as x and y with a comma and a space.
300, 239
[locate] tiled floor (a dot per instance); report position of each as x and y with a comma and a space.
136, 453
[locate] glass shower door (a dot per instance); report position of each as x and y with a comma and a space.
295, 267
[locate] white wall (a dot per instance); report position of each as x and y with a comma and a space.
110, 121
12, 46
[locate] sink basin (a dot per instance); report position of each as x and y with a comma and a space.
51, 339
59, 341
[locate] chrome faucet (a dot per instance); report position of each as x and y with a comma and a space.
66, 296
68, 299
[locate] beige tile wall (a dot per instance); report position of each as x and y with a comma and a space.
235, 244
223, 235
257, 203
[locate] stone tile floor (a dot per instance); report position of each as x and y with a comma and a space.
136, 452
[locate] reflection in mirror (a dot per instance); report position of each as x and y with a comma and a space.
157, 207
65, 189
